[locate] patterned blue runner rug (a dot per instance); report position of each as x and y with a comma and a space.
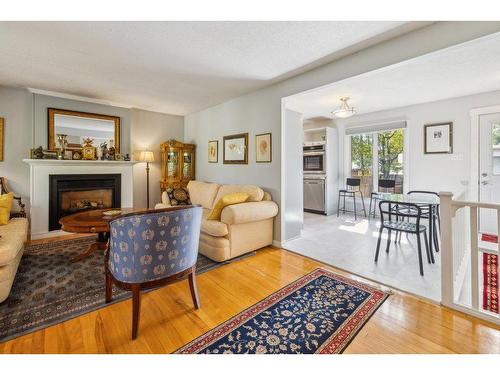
319, 313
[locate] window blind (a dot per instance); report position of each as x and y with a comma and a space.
377, 127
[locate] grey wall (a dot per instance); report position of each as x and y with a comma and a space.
149, 129
15, 108
260, 111
40, 121
26, 127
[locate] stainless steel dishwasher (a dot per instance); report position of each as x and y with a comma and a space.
314, 195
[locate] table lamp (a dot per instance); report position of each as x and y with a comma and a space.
147, 157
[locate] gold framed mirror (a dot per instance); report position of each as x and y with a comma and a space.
80, 125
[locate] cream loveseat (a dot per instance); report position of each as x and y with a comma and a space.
12, 238
242, 228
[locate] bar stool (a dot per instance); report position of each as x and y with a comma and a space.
353, 187
389, 186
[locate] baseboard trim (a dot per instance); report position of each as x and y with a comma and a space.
54, 233
276, 243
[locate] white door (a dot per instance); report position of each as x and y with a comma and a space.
489, 169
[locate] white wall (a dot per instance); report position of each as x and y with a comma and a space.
260, 111
293, 197
15, 108
149, 129
436, 172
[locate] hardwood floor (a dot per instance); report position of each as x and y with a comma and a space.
403, 324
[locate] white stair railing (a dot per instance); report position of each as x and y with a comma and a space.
460, 244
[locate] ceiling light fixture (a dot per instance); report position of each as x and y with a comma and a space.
345, 110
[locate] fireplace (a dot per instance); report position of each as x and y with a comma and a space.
70, 193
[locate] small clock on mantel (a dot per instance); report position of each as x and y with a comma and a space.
88, 151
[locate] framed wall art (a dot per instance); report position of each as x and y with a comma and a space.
235, 149
2, 124
438, 138
263, 148
213, 151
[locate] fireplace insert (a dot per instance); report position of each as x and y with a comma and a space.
73, 193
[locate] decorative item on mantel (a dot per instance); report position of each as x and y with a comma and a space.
37, 153
88, 151
62, 142
40, 153
110, 155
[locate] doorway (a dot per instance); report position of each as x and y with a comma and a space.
489, 170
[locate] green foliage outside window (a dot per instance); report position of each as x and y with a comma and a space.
390, 146
495, 134
361, 153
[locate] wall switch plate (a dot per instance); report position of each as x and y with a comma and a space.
457, 157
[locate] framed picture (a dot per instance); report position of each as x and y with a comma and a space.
235, 149
213, 151
2, 123
438, 138
263, 148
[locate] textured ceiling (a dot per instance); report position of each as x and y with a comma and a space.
173, 67
457, 71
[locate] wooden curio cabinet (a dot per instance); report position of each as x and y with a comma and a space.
177, 164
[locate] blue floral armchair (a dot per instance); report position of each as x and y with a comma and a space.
151, 249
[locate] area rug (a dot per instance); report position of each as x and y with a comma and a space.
490, 276
319, 313
49, 288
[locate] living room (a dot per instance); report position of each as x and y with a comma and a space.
144, 199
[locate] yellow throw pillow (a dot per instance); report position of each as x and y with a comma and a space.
5, 207
226, 200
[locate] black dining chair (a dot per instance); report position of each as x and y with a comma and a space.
434, 216
384, 186
353, 187
408, 211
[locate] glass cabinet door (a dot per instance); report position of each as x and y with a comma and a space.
187, 165
172, 164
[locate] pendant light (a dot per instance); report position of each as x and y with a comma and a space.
345, 110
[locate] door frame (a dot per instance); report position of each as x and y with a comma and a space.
475, 118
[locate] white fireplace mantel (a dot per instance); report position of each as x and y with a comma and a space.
41, 169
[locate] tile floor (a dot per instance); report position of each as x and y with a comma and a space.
350, 245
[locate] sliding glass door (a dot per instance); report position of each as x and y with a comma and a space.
390, 156
362, 161
377, 153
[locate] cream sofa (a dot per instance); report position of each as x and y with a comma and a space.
12, 238
243, 227
13, 235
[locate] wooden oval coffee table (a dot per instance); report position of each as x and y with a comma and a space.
92, 221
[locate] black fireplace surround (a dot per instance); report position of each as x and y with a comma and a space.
73, 182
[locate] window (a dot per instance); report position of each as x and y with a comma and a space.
390, 157
495, 141
362, 161
379, 151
